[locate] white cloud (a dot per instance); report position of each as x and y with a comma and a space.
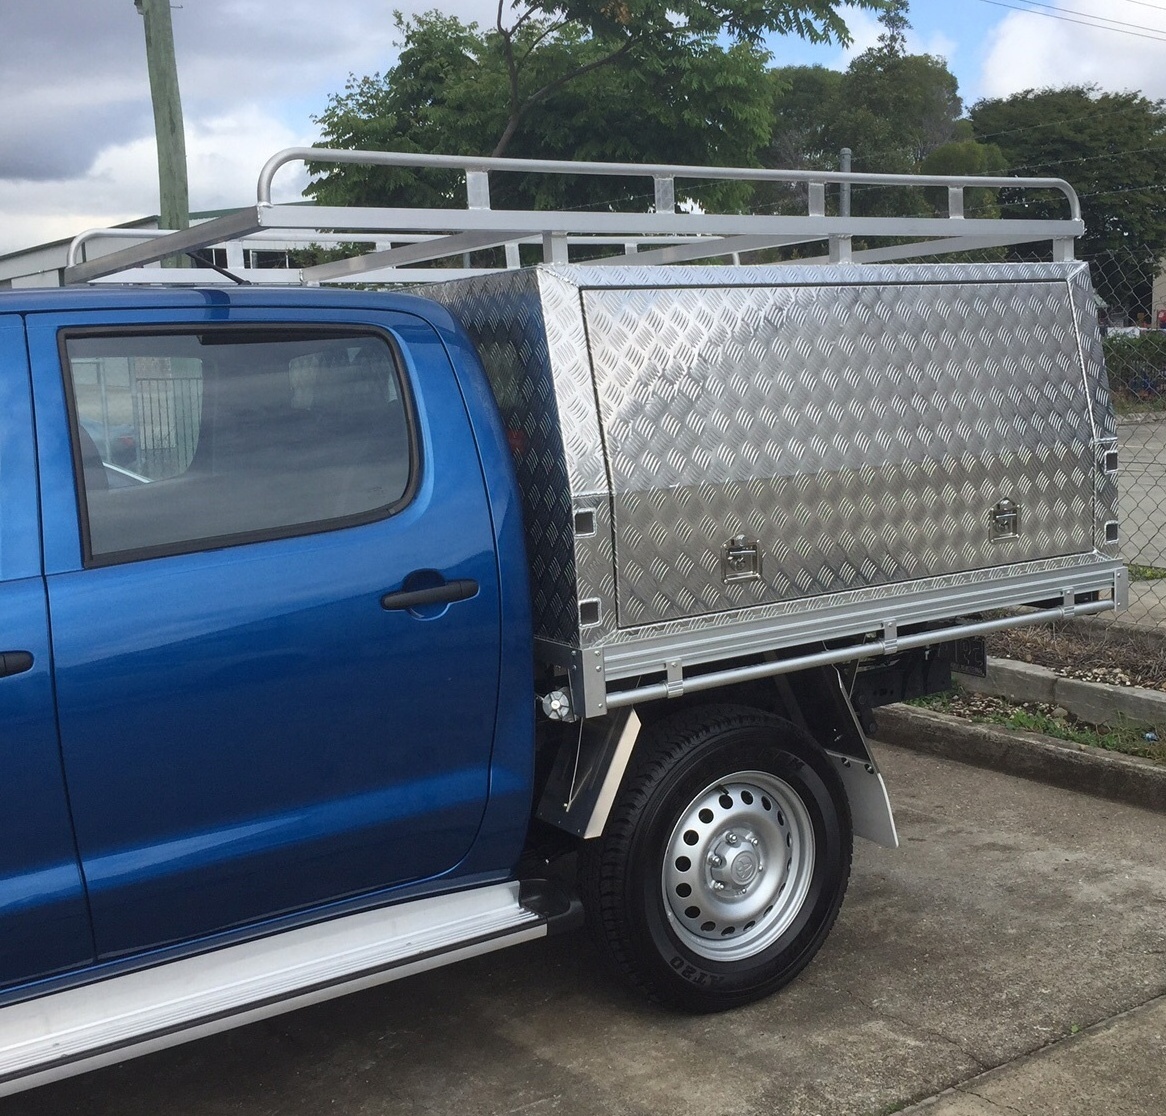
864, 33
937, 43
224, 156
76, 142
1028, 51
865, 30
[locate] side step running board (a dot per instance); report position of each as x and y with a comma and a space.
97, 1024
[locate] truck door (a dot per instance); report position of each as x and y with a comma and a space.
44, 924
247, 729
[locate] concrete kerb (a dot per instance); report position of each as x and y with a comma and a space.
1061, 763
1097, 703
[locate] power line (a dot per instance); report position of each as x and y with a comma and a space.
1119, 192
1061, 122
1124, 190
1160, 149
1144, 4
1088, 15
1044, 167
1098, 19
1155, 34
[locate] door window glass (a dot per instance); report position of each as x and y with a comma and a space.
186, 441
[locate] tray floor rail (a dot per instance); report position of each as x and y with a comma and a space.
677, 685
406, 239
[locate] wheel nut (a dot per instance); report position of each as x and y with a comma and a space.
731, 838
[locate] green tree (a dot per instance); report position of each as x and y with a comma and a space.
700, 103
894, 18
639, 80
804, 102
891, 108
639, 30
963, 156
1112, 148
894, 108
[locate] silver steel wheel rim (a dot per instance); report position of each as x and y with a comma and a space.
738, 866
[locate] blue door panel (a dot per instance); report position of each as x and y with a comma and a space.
246, 732
44, 922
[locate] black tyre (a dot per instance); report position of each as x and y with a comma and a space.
724, 860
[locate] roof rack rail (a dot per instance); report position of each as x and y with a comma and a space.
402, 238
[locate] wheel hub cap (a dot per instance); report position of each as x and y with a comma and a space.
738, 866
735, 861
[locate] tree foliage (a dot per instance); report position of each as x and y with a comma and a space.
640, 30
634, 80
963, 155
896, 110
893, 110
1136, 367
1112, 148
804, 100
448, 93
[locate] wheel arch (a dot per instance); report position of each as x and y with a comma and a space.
590, 759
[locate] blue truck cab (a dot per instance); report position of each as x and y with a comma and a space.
287, 672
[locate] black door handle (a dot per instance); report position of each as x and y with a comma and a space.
14, 662
461, 589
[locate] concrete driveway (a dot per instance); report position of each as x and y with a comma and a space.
1014, 916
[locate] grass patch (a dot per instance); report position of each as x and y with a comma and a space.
1127, 738
1135, 405
1092, 652
1115, 654
1146, 573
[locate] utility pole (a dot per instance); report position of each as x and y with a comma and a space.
171, 138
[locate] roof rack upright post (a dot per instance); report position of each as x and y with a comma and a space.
665, 193
555, 247
477, 189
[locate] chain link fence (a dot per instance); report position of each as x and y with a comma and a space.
1132, 312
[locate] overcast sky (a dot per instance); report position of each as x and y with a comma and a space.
76, 133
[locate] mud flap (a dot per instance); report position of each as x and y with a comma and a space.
585, 778
825, 709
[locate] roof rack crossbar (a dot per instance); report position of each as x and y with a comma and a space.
406, 237
655, 171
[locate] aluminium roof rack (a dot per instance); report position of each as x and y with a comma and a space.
399, 239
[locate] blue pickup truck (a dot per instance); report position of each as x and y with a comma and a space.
349, 633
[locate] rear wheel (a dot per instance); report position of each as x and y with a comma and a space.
724, 860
